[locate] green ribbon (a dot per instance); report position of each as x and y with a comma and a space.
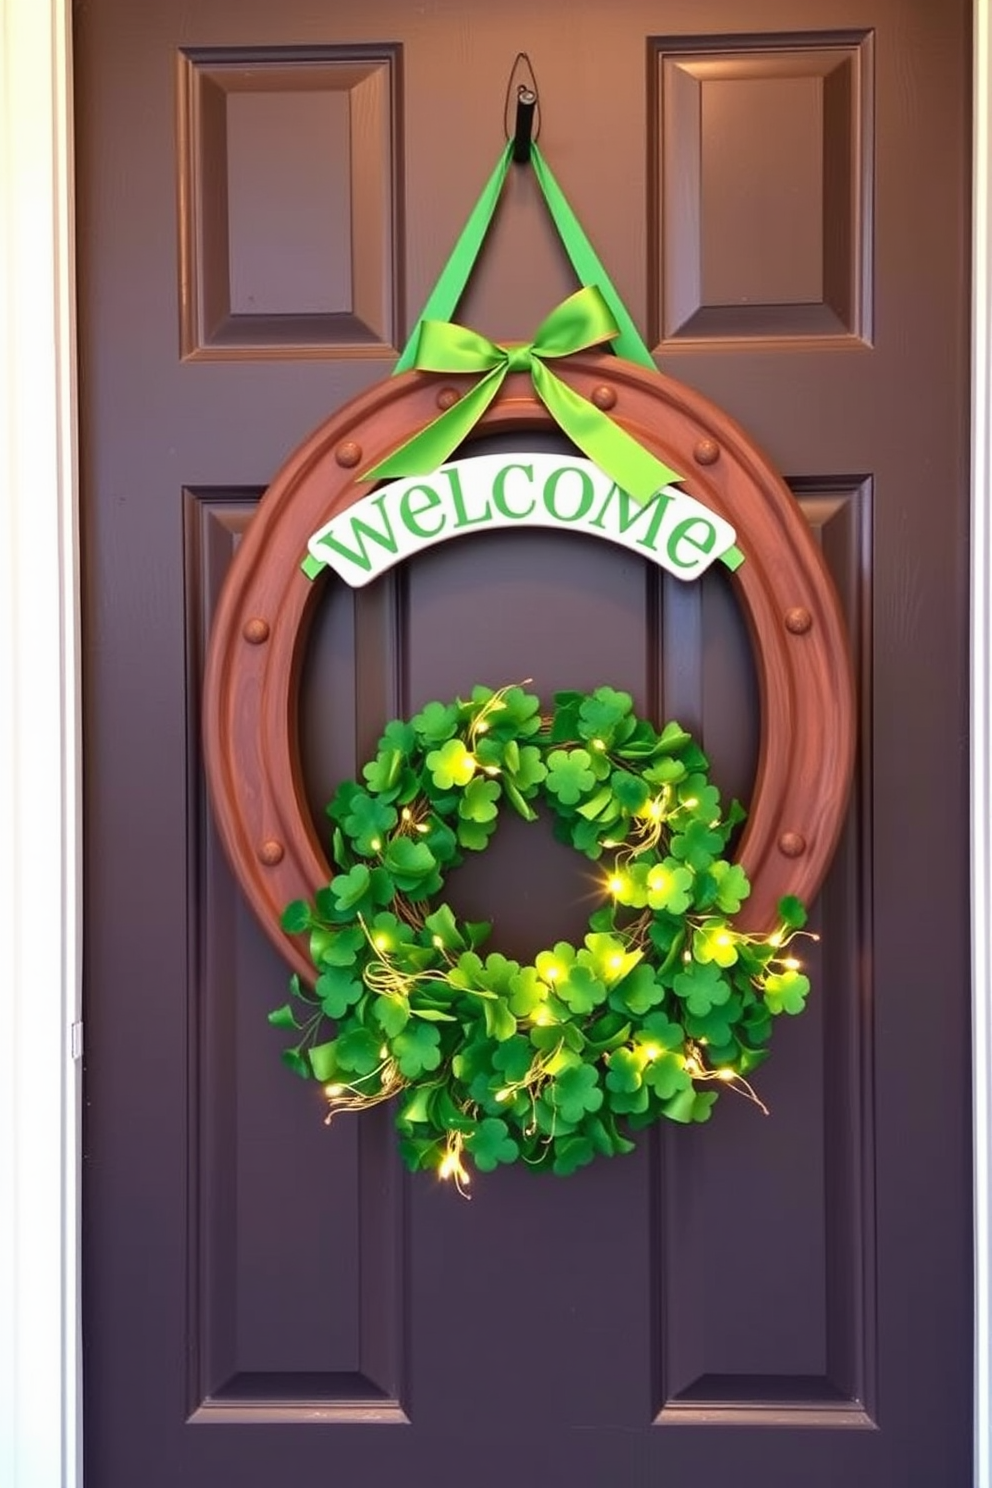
594, 315
583, 320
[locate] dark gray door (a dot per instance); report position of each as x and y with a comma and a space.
266, 193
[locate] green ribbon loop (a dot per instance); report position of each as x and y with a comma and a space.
583, 320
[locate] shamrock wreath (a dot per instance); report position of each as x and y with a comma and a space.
557, 1061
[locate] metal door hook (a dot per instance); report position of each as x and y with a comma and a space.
526, 104
524, 132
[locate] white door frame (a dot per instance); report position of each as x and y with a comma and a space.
40, 803
40, 749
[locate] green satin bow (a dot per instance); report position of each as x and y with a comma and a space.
583, 320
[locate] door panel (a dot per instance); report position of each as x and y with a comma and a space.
265, 195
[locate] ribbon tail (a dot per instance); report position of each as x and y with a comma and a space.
443, 299
587, 264
634, 469
430, 447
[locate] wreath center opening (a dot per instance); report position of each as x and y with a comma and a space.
542, 889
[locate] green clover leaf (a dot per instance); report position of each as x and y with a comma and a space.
529, 992
323, 1061
499, 974
442, 927
512, 712
793, 912
585, 837
356, 1052
786, 992
666, 1074
500, 1022
475, 835
669, 886
630, 790
576, 1091
630, 885
690, 1105
416, 1049
392, 1013
338, 990
283, 1017
732, 886
715, 942
436, 722
639, 991
602, 713
608, 956
529, 770
569, 774
513, 1058
295, 1061
659, 1032
624, 1071
478, 804
553, 965
697, 795
399, 736
466, 972
388, 934
451, 765
361, 887
581, 989
491, 1144
572, 1152
297, 917
717, 1026
337, 947
410, 863
702, 988
367, 822
696, 845
384, 773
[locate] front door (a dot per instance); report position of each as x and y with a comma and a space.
265, 195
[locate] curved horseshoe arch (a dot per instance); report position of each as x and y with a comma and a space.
807, 738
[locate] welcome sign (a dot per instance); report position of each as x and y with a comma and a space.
527, 489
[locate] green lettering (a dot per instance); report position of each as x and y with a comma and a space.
359, 532
499, 492
681, 533
410, 514
462, 519
632, 511
551, 490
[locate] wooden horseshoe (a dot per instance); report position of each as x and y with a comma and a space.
804, 673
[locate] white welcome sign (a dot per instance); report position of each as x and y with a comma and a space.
527, 489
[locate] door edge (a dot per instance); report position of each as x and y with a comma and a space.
981, 729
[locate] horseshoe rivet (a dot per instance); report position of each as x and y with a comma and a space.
604, 396
792, 844
348, 454
271, 852
707, 452
447, 397
798, 621
256, 630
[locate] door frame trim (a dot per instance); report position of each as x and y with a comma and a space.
41, 745
41, 803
